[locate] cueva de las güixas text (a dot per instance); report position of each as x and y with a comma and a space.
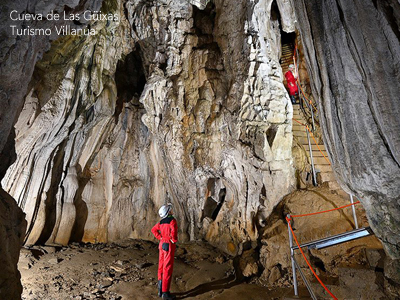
54, 16
58, 29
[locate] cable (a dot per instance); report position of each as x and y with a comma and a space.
318, 146
325, 211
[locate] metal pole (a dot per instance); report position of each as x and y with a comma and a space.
312, 159
296, 292
312, 117
354, 211
300, 98
305, 281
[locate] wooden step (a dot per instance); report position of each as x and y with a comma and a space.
304, 141
299, 133
317, 153
323, 168
315, 148
298, 127
320, 160
299, 118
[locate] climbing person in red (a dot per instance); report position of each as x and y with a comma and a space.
166, 231
291, 82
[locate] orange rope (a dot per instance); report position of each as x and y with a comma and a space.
306, 97
318, 146
299, 122
305, 258
325, 211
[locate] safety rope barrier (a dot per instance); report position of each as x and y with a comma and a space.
316, 143
308, 263
324, 211
300, 248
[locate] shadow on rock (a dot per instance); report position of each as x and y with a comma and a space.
225, 283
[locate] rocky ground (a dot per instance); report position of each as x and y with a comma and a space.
128, 270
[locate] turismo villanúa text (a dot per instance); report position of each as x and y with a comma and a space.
59, 29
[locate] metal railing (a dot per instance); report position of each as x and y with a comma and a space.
322, 243
304, 103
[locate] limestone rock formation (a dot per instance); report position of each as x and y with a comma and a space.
170, 103
18, 55
353, 55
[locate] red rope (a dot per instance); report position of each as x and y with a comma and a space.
307, 98
325, 211
318, 146
299, 122
309, 265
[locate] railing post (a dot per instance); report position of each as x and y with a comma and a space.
354, 211
300, 98
296, 292
314, 176
312, 117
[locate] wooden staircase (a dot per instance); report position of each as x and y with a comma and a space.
323, 169
287, 57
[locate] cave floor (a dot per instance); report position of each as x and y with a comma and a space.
128, 270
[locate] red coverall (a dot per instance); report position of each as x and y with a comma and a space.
291, 81
166, 232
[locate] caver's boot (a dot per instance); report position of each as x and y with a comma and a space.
159, 285
168, 296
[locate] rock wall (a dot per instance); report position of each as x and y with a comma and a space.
18, 55
171, 103
353, 54
12, 230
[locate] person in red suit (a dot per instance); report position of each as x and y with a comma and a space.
166, 231
291, 82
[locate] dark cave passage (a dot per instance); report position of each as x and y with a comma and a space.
130, 80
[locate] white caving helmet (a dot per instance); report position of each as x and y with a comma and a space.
291, 67
164, 210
